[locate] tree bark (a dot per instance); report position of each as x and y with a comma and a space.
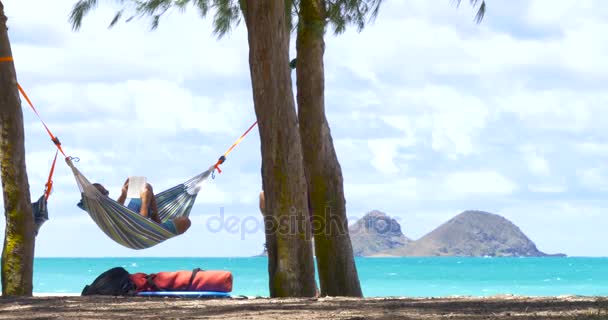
335, 262
290, 259
18, 250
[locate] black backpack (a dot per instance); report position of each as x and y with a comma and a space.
41, 213
114, 282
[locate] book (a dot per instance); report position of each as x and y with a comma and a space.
136, 186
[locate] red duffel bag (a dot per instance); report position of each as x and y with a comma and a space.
195, 280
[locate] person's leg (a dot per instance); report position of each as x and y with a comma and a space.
152, 205
182, 224
148, 204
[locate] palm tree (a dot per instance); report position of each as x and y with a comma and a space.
335, 262
274, 103
18, 249
290, 259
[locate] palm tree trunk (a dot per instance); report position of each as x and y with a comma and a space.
290, 259
18, 250
333, 248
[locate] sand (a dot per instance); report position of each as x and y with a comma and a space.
503, 307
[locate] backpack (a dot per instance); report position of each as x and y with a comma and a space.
113, 282
41, 213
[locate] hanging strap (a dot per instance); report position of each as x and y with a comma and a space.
223, 157
53, 137
48, 187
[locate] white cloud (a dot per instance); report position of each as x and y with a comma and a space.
545, 188
384, 152
547, 12
96, 52
144, 107
164, 106
594, 149
450, 119
594, 178
380, 191
537, 164
479, 182
562, 110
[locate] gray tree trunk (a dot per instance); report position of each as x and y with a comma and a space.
18, 250
290, 259
335, 262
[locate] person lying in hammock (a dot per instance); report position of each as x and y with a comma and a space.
146, 206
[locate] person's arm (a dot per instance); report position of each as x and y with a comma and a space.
123, 193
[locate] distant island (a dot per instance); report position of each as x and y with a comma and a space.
376, 233
471, 234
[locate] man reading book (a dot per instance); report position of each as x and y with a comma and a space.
146, 206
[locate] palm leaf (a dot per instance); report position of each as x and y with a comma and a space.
481, 11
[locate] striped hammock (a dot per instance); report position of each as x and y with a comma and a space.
129, 228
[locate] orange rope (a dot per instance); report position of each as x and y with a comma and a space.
223, 157
49, 183
53, 138
48, 187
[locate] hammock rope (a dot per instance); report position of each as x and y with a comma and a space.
48, 187
118, 222
49, 184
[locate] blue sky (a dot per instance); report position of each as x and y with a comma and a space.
430, 113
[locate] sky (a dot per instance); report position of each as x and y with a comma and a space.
431, 114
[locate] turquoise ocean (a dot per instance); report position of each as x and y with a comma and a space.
410, 277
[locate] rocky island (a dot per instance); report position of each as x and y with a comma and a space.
471, 233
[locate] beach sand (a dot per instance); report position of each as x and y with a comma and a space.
112, 308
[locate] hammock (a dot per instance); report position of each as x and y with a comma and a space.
118, 222
129, 228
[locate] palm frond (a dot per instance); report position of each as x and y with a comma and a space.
375, 9
80, 9
481, 11
202, 6
341, 13
116, 18
181, 5
155, 21
227, 12
227, 15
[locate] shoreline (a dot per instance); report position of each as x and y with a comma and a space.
112, 308
496, 296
